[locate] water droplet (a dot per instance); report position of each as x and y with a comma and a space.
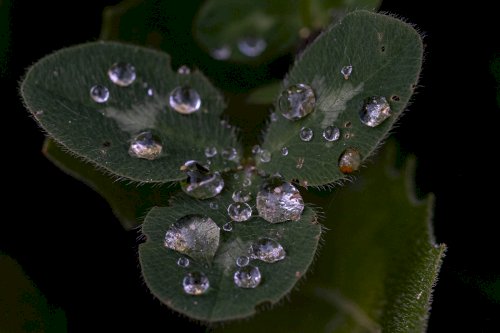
247, 277
228, 226
100, 94
284, 151
200, 183
256, 149
150, 92
375, 110
195, 283
214, 205
145, 145
221, 53
242, 261
252, 47
265, 156
185, 100
183, 70
241, 196
297, 101
349, 161
239, 211
346, 71
193, 235
331, 133
247, 182
267, 250
230, 154
279, 201
183, 262
210, 151
274, 117
122, 74
306, 134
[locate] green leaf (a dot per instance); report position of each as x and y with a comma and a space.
56, 91
377, 267
129, 202
386, 55
279, 24
224, 300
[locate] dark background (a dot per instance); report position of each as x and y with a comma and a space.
77, 253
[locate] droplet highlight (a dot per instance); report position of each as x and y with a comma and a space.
267, 250
195, 283
239, 211
247, 277
100, 94
331, 133
349, 161
306, 134
145, 145
185, 100
200, 183
122, 74
375, 110
252, 47
297, 101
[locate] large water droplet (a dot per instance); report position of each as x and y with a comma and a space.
230, 154
265, 156
194, 235
267, 250
284, 151
279, 201
221, 53
228, 226
349, 161
242, 261
100, 94
210, 151
185, 100
297, 101
239, 211
375, 110
241, 196
195, 283
306, 134
346, 71
122, 74
183, 262
200, 183
252, 47
145, 145
331, 133
247, 277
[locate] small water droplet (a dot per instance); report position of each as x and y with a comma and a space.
256, 149
221, 53
184, 70
297, 101
228, 226
210, 151
279, 201
347, 124
100, 94
241, 196
247, 182
150, 92
349, 161
247, 277
300, 163
230, 154
39, 113
214, 205
274, 117
195, 283
306, 134
200, 183
242, 261
145, 145
184, 100
346, 71
375, 110
252, 47
284, 151
265, 156
267, 250
331, 133
183, 262
122, 74
239, 211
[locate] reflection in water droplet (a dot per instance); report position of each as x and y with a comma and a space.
265, 156
239, 211
100, 94
242, 261
214, 205
210, 151
331, 133
279, 201
185, 100
183, 262
200, 183
306, 134
375, 110
346, 71
252, 47
256, 149
230, 154
247, 277
221, 53
195, 283
284, 151
267, 250
184, 70
122, 74
297, 101
349, 161
145, 145
241, 196
228, 226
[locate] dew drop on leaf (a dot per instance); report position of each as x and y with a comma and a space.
346, 71
185, 100
230, 154
242, 261
306, 134
265, 156
210, 151
241, 196
100, 94
200, 183
331, 133
267, 250
297, 101
239, 211
122, 74
183, 262
195, 283
145, 145
228, 226
284, 151
349, 161
256, 149
247, 277
375, 110
183, 70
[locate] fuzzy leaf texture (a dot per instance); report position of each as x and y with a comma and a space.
386, 56
56, 91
